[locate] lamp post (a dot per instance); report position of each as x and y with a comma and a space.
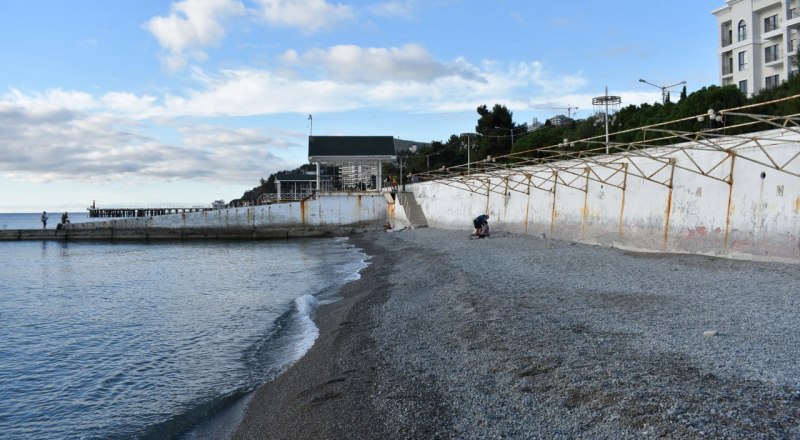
663, 89
712, 118
428, 160
412, 149
510, 130
469, 147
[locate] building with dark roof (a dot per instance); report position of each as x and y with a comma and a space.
358, 159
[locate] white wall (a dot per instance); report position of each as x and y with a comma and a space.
334, 209
752, 218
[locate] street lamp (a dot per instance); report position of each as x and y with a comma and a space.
412, 149
712, 118
510, 130
469, 147
663, 89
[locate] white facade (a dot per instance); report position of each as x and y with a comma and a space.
758, 43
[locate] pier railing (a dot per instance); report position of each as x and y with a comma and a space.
144, 211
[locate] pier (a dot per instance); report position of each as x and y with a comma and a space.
143, 212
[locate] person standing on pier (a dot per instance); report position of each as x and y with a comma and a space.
64, 218
44, 219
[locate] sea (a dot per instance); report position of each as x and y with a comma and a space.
109, 340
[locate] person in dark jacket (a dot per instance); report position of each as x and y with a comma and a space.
479, 222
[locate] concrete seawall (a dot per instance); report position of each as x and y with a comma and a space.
327, 215
738, 197
148, 234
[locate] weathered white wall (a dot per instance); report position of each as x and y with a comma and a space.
334, 209
753, 217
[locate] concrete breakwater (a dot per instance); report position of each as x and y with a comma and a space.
146, 234
326, 215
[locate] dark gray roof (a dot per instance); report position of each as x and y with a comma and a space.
343, 146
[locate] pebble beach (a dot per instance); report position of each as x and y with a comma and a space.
518, 336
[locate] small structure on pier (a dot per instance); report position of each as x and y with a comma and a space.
358, 159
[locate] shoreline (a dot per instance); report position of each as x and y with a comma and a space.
305, 401
520, 337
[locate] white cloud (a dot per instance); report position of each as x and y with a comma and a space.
72, 135
41, 141
340, 78
391, 9
309, 16
350, 63
127, 103
54, 98
191, 26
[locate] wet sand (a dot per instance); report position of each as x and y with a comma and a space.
520, 337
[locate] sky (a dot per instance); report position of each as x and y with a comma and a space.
158, 102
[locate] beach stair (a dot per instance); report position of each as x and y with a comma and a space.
413, 211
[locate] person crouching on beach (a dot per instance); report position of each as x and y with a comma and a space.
479, 222
44, 219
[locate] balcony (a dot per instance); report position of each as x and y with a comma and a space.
773, 34
792, 17
727, 70
773, 61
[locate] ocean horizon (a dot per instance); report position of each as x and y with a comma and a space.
152, 340
32, 220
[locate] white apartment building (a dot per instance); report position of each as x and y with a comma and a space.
758, 43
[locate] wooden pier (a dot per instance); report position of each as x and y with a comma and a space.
142, 212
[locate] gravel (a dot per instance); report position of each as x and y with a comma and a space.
521, 337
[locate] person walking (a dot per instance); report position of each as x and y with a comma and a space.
44, 219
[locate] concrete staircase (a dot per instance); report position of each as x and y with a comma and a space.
414, 213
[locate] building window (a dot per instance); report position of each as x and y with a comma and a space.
743, 86
771, 23
771, 53
727, 34
727, 65
771, 81
742, 63
742, 31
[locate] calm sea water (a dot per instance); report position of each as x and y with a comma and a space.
33, 220
136, 340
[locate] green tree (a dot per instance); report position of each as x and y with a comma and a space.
495, 141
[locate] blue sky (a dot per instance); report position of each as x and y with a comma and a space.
184, 102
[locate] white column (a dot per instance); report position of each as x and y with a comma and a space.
278, 184
318, 178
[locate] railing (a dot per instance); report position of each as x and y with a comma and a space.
154, 206
771, 24
772, 56
727, 70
